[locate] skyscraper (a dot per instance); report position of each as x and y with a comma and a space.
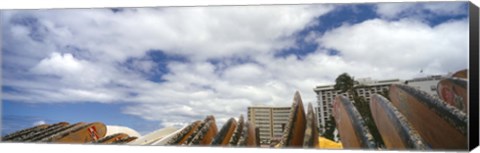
271, 121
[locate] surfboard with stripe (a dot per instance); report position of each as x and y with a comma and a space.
81, 134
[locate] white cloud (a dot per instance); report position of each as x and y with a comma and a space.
209, 32
419, 9
404, 46
39, 123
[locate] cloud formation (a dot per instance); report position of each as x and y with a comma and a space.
176, 65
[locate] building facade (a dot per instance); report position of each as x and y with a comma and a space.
427, 84
326, 95
271, 121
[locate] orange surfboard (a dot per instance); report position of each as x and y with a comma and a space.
353, 132
440, 125
223, 137
248, 137
184, 134
206, 134
295, 129
194, 132
238, 132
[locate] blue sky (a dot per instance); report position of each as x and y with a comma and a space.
147, 68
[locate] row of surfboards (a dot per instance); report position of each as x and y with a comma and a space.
301, 131
64, 132
411, 119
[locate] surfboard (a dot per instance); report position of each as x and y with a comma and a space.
168, 137
310, 139
184, 134
238, 132
223, 137
195, 132
113, 129
124, 140
24, 132
153, 136
112, 138
295, 129
461, 74
353, 132
454, 92
31, 133
206, 134
247, 138
394, 128
46, 133
440, 125
81, 134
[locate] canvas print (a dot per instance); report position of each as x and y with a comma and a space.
379, 76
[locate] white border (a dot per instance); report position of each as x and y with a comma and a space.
47, 4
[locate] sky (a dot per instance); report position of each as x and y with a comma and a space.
148, 68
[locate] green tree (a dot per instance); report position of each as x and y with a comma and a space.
330, 126
346, 83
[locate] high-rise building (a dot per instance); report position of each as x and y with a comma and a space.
271, 121
326, 95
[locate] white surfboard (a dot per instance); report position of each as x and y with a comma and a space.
166, 138
153, 136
